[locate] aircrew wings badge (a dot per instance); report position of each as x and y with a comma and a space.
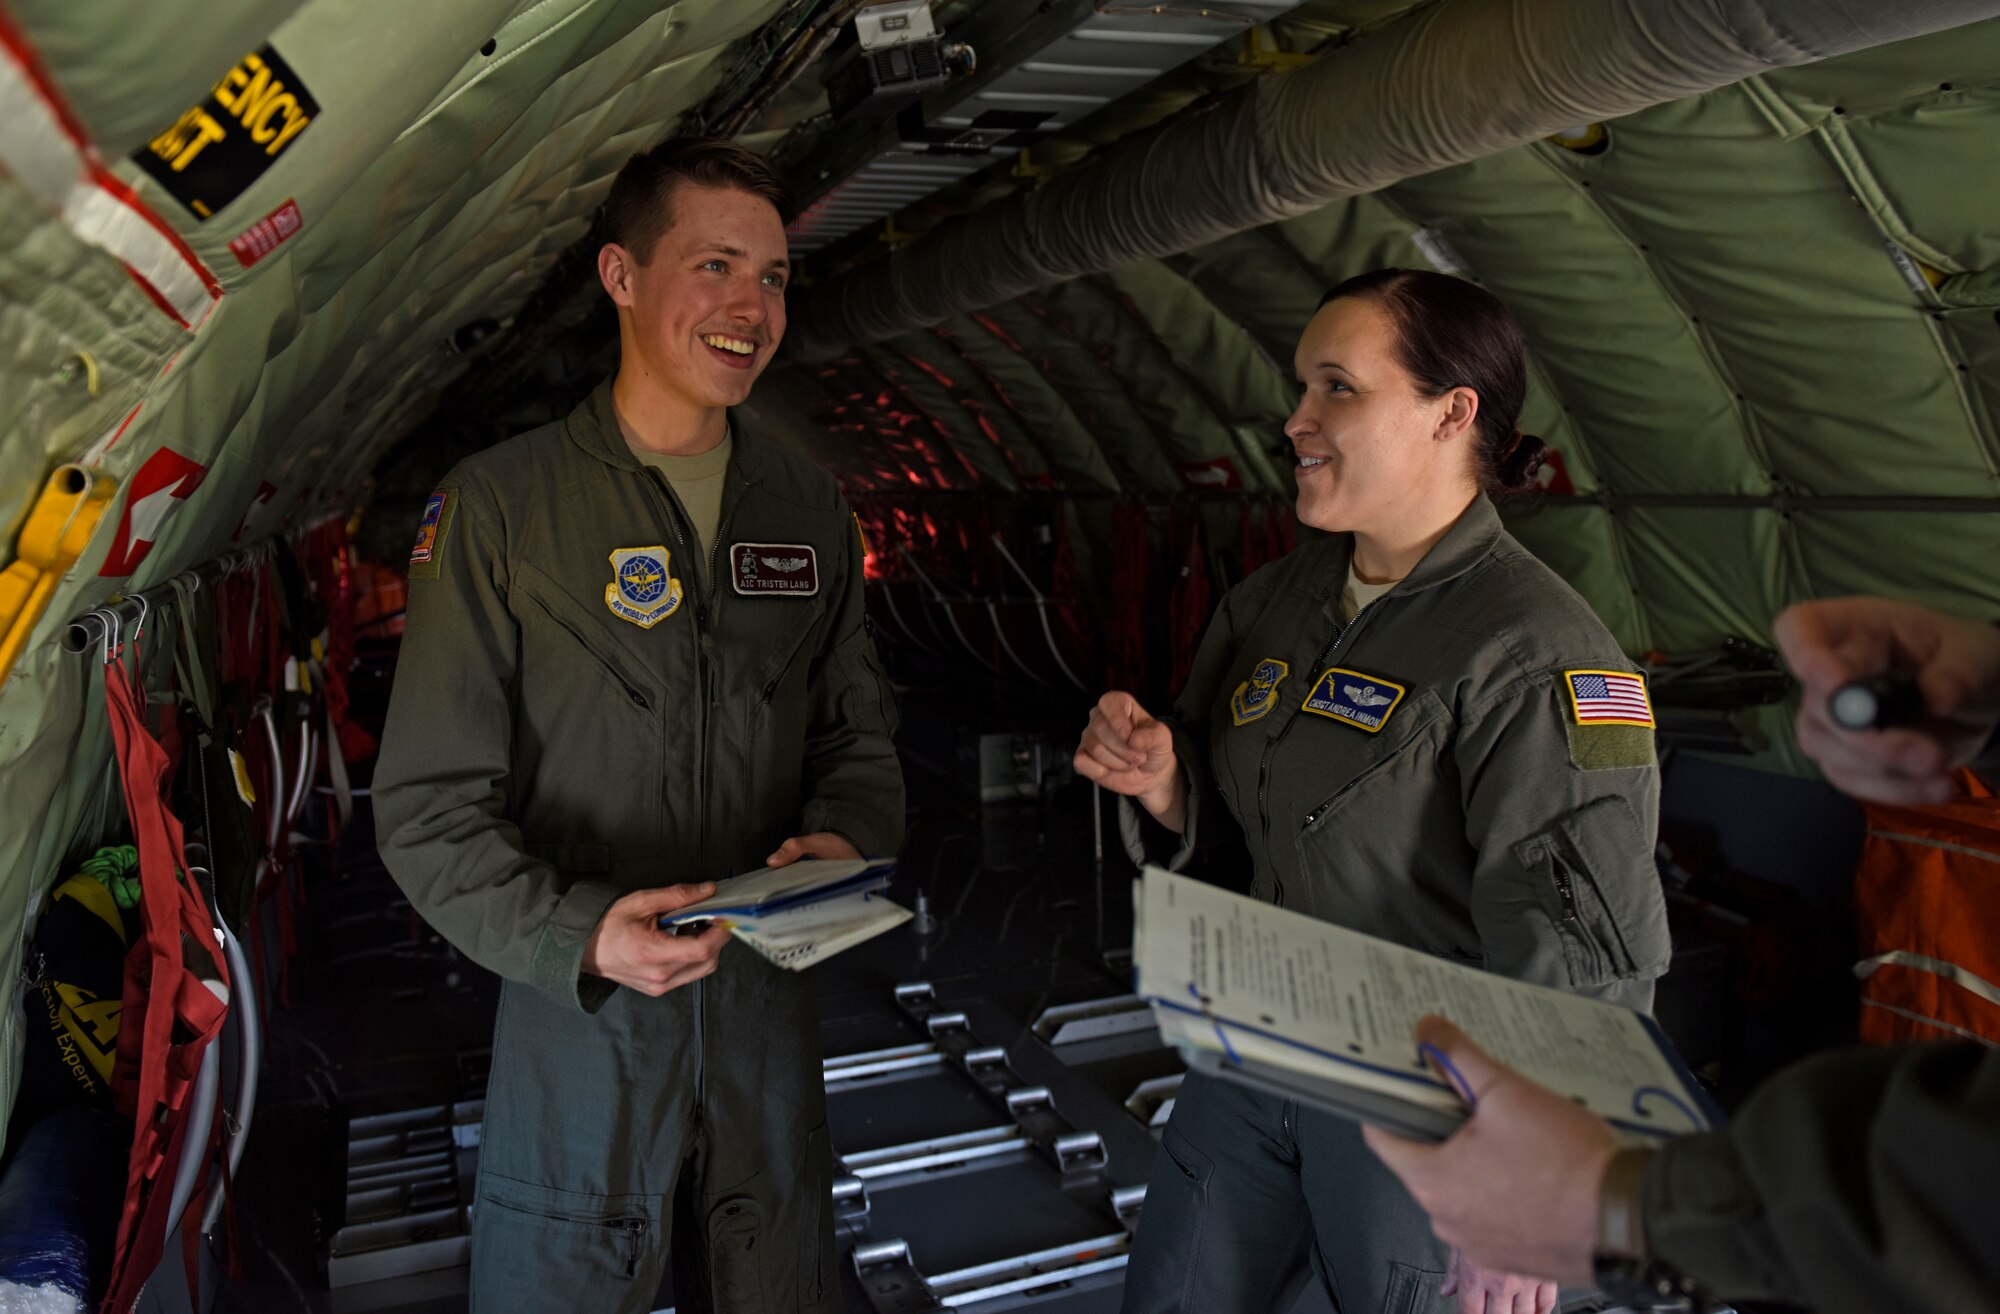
1255, 696
1363, 701
641, 589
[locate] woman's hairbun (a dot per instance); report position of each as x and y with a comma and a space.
1523, 461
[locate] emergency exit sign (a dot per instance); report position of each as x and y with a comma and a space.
221, 146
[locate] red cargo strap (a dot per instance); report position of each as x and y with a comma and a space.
171, 1014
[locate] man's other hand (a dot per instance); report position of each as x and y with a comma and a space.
819, 844
630, 948
1956, 665
1489, 1291
1516, 1187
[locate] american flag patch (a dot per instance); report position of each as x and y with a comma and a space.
1609, 698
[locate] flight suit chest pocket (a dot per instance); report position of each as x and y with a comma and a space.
549, 609
1595, 874
774, 633
1340, 762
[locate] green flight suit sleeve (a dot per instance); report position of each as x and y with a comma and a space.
853, 784
1855, 1182
1206, 823
440, 786
1565, 892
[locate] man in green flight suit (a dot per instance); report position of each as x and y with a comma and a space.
635, 664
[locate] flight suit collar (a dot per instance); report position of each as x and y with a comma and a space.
1463, 546
593, 426
1468, 541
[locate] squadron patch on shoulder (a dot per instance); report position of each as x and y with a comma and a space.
1363, 701
1258, 694
1609, 698
789, 570
426, 554
642, 589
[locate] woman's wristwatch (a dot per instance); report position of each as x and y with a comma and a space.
1624, 1268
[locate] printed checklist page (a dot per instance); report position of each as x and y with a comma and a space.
1278, 987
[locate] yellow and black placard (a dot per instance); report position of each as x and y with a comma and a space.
221, 146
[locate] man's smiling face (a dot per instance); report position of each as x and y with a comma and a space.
706, 310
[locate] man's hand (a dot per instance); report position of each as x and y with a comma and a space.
1516, 1187
1489, 1291
1956, 664
629, 947
1128, 752
819, 844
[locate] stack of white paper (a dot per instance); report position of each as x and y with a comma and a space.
804, 913
1291, 1003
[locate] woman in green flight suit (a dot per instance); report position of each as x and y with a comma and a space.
1417, 730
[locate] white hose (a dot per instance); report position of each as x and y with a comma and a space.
201, 1116
249, 1065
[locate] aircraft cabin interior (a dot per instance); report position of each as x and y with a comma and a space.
1192, 534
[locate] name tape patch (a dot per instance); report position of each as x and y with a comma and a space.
220, 147
1258, 694
788, 570
1608, 698
1363, 701
642, 588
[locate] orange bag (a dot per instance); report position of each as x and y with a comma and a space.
1927, 904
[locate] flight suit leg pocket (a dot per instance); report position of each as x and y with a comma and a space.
738, 1246
1602, 891
1412, 1290
541, 1247
816, 1263
1168, 1248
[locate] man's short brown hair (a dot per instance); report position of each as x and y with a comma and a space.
640, 206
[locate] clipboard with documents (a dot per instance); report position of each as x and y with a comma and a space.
802, 914
1300, 1007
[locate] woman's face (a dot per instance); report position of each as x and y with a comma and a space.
1371, 450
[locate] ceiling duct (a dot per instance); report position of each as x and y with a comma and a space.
1096, 55
1456, 81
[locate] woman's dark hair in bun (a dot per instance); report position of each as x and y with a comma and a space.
1453, 333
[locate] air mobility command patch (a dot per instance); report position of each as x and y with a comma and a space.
428, 552
1363, 701
1256, 695
641, 589
774, 569
1610, 720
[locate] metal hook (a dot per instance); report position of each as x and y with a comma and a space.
139, 629
108, 623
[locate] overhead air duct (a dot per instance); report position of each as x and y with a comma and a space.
1455, 81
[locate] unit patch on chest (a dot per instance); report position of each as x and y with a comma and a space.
1258, 694
789, 570
641, 589
1363, 701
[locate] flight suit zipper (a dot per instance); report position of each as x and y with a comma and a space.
677, 517
635, 1243
1566, 891
1326, 654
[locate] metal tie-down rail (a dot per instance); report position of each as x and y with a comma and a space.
1032, 1120
895, 1285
